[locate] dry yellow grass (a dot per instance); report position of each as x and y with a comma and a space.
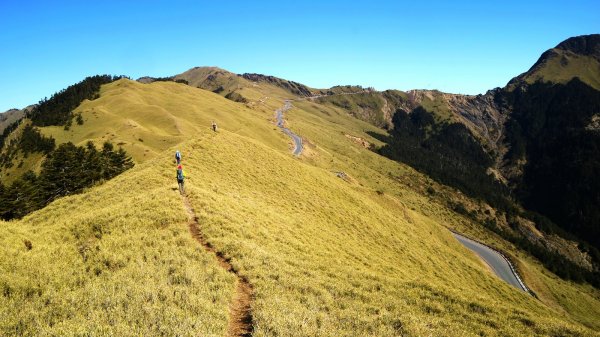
367, 256
582, 303
146, 119
117, 260
329, 258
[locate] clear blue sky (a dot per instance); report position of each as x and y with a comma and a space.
453, 46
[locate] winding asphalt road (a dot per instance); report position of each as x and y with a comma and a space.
497, 262
288, 105
297, 139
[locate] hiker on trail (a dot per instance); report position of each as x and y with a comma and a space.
178, 157
214, 126
180, 178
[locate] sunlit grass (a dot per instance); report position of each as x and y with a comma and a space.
560, 69
118, 260
329, 258
366, 256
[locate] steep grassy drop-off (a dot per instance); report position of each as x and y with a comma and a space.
325, 130
328, 258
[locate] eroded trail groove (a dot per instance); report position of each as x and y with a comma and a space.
240, 311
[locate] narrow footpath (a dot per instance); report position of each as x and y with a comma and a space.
240, 309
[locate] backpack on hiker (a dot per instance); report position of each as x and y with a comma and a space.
180, 175
178, 157
180, 178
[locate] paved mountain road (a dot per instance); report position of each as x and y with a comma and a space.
297, 139
495, 260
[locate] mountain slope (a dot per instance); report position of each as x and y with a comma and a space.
352, 264
534, 142
368, 254
11, 116
243, 88
575, 57
116, 260
146, 119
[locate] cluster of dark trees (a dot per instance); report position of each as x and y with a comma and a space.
33, 141
7, 131
67, 170
58, 110
30, 141
236, 97
447, 152
170, 79
547, 128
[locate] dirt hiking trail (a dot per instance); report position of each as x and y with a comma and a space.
240, 310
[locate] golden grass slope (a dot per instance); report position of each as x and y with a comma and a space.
146, 119
331, 259
116, 260
327, 126
363, 256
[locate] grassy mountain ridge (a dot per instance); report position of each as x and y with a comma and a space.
146, 119
363, 253
578, 56
341, 258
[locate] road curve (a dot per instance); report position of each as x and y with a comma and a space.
498, 263
297, 139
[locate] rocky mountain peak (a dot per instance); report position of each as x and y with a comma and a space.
588, 45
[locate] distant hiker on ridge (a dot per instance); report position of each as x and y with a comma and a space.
180, 178
178, 157
214, 126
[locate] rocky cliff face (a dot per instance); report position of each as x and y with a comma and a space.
291, 86
588, 45
11, 116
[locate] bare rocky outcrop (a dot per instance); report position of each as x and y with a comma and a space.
594, 124
10, 116
291, 86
